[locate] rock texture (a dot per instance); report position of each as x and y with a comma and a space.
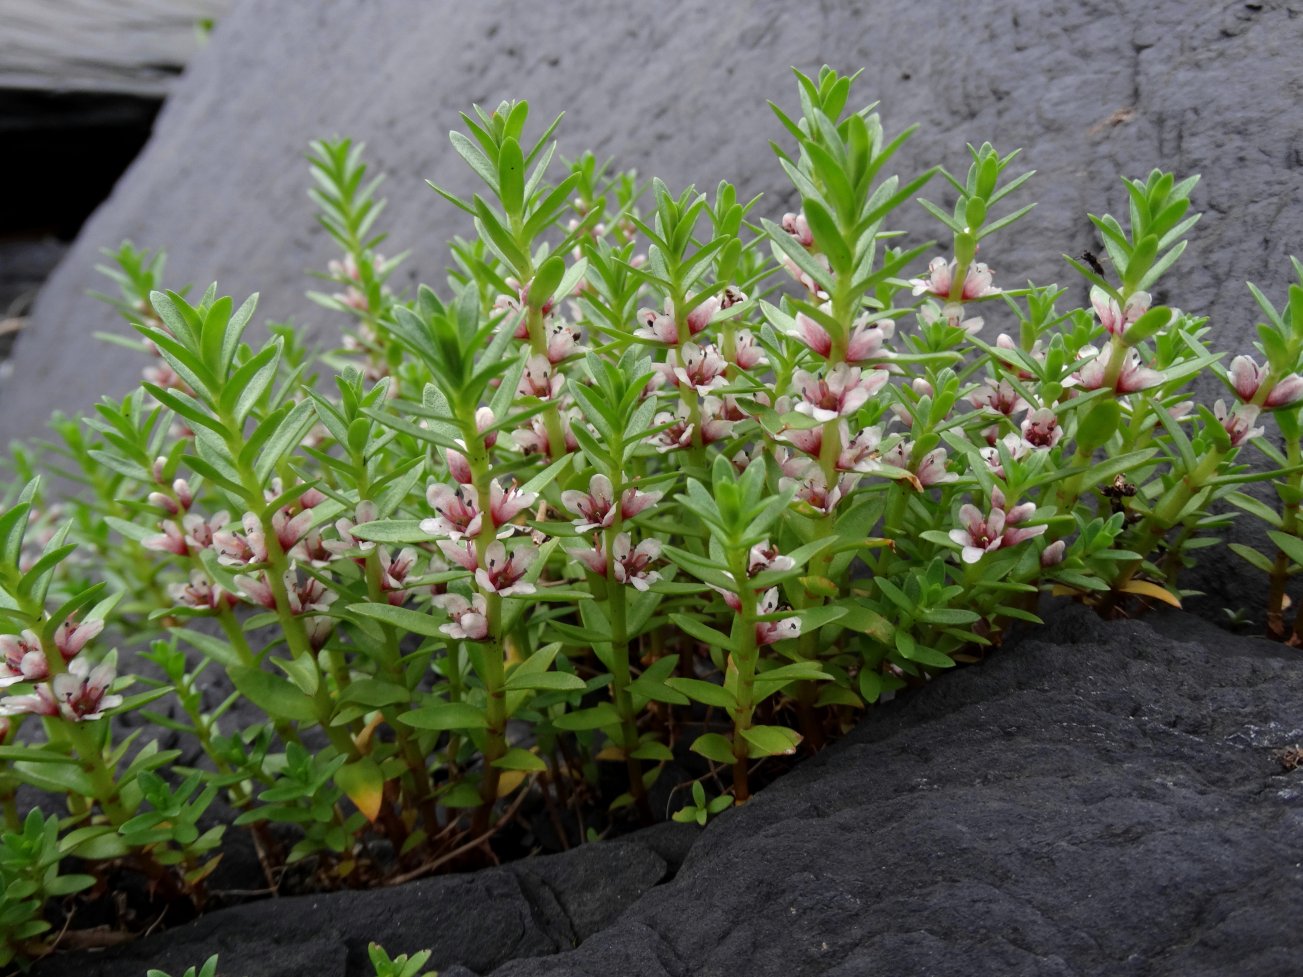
1096, 799
531, 908
120, 46
1091, 88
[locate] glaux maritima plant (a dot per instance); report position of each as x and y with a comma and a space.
649, 472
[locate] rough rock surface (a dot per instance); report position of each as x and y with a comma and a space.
530, 908
1097, 799
134, 46
1091, 88
1102, 799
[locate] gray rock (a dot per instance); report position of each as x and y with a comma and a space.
536, 907
1098, 800
123, 46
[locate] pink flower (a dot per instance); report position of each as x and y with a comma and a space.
469, 618
1015, 532
458, 514
501, 573
634, 501
632, 565
179, 501
977, 281
22, 659
699, 367
596, 508
312, 599
592, 557
815, 336
699, 318
932, 469
393, 573
1247, 378
814, 491
804, 278
533, 440
747, 353
171, 540
808, 440
506, 504
841, 393
40, 703
979, 535
860, 453
257, 590
866, 340
80, 691
797, 226
763, 558
347, 542
767, 632
1238, 421
1052, 555
714, 426
1287, 390
352, 298
1132, 377
462, 552
70, 637
1114, 319
731, 296
200, 593
562, 341
1041, 428
539, 379
199, 532
1015, 444
458, 467
484, 419
1000, 397
658, 327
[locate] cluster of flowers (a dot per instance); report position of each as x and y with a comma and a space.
185, 533
75, 691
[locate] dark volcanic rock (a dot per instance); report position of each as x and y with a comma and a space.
535, 907
1097, 799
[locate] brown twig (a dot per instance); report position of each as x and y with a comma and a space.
457, 852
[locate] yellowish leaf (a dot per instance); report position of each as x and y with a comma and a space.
1146, 588
364, 784
510, 780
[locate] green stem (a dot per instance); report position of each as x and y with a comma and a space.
1289, 526
1117, 357
743, 663
620, 676
1165, 516
493, 670
391, 662
296, 636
